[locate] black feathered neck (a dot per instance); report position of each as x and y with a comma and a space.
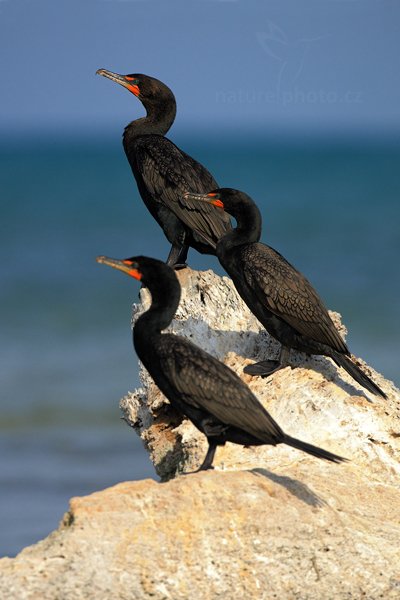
247, 215
160, 105
165, 291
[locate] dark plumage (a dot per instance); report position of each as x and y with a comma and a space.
212, 396
164, 173
281, 298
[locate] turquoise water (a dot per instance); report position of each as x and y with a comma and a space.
331, 207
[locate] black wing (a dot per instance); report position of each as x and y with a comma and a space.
168, 173
203, 382
289, 295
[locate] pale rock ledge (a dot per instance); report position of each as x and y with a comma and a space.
268, 523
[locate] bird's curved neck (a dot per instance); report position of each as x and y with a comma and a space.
247, 230
158, 120
165, 296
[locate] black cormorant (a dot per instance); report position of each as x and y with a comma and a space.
281, 298
163, 172
201, 387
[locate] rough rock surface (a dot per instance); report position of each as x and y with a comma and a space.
268, 522
295, 533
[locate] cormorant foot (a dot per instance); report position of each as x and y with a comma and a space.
264, 368
201, 468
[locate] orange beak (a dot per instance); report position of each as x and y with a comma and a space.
123, 80
126, 266
209, 198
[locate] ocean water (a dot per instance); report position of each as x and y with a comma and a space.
331, 206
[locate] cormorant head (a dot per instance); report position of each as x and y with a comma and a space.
151, 272
232, 201
148, 89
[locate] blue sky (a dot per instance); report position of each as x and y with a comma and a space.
323, 65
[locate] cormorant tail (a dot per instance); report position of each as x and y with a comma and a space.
314, 450
348, 365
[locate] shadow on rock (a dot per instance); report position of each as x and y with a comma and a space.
296, 488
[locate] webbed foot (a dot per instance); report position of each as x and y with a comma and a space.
201, 468
264, 368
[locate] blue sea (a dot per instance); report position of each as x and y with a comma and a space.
331, 206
